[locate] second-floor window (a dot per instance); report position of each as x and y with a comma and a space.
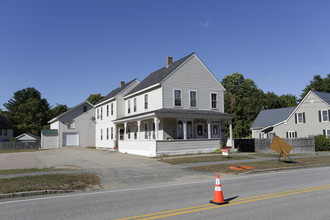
177, 98
300, 118
214, 100
71, 124
101, 113
111, 108
107, 110
193, 99
146, 101
134, 100
98, 113
324, 115
129, 106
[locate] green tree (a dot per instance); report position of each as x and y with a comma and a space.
94, 98
289, 100
58, 110
318, 83
27, 111
244, 99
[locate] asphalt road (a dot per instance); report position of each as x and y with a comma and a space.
296, 194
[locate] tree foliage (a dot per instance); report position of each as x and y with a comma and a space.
244, 99
94, 98
27, 111
58, 110
318, 83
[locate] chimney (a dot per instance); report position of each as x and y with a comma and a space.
122, 83
169, 61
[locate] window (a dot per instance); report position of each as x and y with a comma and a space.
111, 133
129, 106
101, 134
101, 113
291, 134
146, 131
111, 108
193, 99
107, 110
107, 133
98, 113
71, 125
300, 118
177, 98
326, 132
214, 101
324, 115
84, 108
134, 104
135, 131
128, 132
146, 101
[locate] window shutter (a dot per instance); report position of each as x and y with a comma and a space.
304, 118
295, 134
320, 119
287, 134
324, 132
295, 118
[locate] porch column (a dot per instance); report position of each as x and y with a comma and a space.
184, 122
125, 131
209, 128
156, 121
230, 133
139, 130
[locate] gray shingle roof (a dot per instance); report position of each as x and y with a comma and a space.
4, 123
271, 117
115, 92
158, 75
323, 95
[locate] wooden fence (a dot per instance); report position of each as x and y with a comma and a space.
19, 145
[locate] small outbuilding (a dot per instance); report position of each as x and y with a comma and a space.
28, 138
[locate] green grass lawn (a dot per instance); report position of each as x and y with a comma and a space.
17, 151
49, 182
262, 165
30, 170
198, 159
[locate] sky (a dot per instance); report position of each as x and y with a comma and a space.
69, 49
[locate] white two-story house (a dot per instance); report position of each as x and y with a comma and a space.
108, 109
310, 117
176, 109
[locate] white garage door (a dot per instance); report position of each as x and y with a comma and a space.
70, 139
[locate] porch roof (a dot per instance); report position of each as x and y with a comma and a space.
176, 113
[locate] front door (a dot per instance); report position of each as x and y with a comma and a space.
199, 130
215, 131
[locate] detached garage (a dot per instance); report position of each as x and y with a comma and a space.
70, 139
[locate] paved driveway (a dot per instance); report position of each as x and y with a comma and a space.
117, 170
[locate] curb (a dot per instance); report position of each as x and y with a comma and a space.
33, 193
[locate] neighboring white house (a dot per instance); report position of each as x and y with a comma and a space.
75, 127
310, 117
6, 129
108, 109
176, 109
28, 138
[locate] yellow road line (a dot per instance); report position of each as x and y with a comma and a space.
192, 209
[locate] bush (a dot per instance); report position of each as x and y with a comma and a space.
322, 143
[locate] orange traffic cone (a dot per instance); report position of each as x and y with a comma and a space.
218, 196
